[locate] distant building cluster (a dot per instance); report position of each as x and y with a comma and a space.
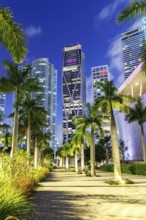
74, 82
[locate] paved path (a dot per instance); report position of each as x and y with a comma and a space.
65, 195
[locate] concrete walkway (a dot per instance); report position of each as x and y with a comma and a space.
65, 195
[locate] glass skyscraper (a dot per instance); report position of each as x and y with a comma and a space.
47, 76
74, 87
2, 105
132, 43
99, 74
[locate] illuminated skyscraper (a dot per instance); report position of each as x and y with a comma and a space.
132, 42
2, 106
74, 87
99, 74
47, 76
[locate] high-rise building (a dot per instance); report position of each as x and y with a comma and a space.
99, 74
132, 44
74, 87
47, 76
2, 106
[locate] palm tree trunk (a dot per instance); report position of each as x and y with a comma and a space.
107, 155
92, 153
61, 162
15, 128
28, 136
76, 162
143, 144
36, 154
67, 162
115, 148
82, 157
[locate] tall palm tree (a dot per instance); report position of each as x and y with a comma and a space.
37, 125
136, 7
30, 110
18, 81
45, 137
65, 151
108, 102
79, 139
138, 114
12, 35
93, 122
75, 149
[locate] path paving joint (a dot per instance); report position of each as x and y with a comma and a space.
65, 195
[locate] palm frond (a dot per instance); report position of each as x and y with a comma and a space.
12, 35
137, 7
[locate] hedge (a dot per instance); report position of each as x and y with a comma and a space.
138, 169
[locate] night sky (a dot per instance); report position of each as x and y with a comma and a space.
52, 24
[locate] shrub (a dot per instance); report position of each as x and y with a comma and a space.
108, 168
41, 173
25, 184
139, 169
13, 202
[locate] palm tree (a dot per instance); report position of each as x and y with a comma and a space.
66, 152
6, 137
138, 113
37, 125
74, 150
137, 7
45, 137
108, 102
78, 139
93, 122
12, 35
29, 111
18, 81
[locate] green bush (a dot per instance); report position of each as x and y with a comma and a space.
24, 183
40, 173
108, 168
139, 169
13, 202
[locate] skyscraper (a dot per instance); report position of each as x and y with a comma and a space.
2, 105
99, 74
47, 76
74, 87
132, 43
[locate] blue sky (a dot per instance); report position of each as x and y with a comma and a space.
52, 24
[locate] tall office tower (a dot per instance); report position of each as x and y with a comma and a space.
47, 76
2, 106
99, 74
74, 87
132, 42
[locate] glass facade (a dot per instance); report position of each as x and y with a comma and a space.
132, 43
74, 87
47, 76
99, 74
2, 105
